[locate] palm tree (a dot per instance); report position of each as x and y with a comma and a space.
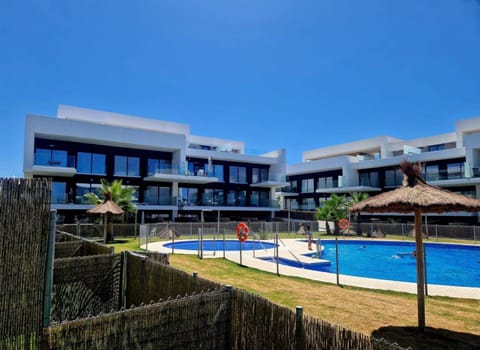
121, 195
333, 209
355, 198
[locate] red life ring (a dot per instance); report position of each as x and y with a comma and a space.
343, 224
242, 232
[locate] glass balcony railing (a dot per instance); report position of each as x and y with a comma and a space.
62, 162
161, 201
444, 175
180, 171
261, 204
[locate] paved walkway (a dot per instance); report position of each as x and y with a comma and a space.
293, 249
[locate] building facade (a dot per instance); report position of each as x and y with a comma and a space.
176, 175
451, 161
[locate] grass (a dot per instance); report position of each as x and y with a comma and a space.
451, 323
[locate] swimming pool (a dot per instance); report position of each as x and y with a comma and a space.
447, 264
218, 245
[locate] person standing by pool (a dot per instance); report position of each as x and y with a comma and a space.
310, 236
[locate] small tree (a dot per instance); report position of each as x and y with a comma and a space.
333, 209
121, 195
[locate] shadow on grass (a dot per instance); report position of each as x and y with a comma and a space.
118, 241
430, 339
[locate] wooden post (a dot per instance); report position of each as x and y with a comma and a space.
195, 280
299, 331
47, 292
420, 270
228, 323
105, 228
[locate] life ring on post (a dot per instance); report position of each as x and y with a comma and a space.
343, 224
242, 231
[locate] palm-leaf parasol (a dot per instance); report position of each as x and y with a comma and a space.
107, 207
418, 197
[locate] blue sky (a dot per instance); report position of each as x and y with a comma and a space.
291, 74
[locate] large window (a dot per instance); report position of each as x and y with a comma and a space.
439, 147
432, 173
59, 192
455, 171
293, 185
127, 166
157, 195
218, 171
369, 179
84, 188
159, 166
308, 186
51, 157
213, 197
260, 199
188, 196
197, 168
327, 182
236, 198
259, 175
393, 177
91, 163
307, 204
238, 174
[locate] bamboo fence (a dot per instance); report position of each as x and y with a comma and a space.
24, 232
92, 288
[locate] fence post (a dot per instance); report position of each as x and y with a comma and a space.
228, 322
299, 331
123, 295
195, 279
47, 292
474, 235
277, 258
173, 239
336, 259
425, 268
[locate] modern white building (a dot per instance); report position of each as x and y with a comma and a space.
449, 160
175, 174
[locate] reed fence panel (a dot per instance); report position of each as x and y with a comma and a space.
68, 245
193, 322
149, 280
85, 286
259, 324
322, 335
24, 235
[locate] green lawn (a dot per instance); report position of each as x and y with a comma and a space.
451, 323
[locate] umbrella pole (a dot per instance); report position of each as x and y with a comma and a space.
105, 228
420, 270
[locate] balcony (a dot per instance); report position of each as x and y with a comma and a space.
154, 203
231, 204
457, 178
179, 175
271, 183
55, 167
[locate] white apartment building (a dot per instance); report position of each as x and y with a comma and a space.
175, 174
451, 161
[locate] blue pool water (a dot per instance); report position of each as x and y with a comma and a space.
447, 264
217, 245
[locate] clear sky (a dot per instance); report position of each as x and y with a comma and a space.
293, 74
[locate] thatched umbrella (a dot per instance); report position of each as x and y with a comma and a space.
417, 196
107, 208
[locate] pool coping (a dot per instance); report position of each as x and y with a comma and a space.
294, 248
